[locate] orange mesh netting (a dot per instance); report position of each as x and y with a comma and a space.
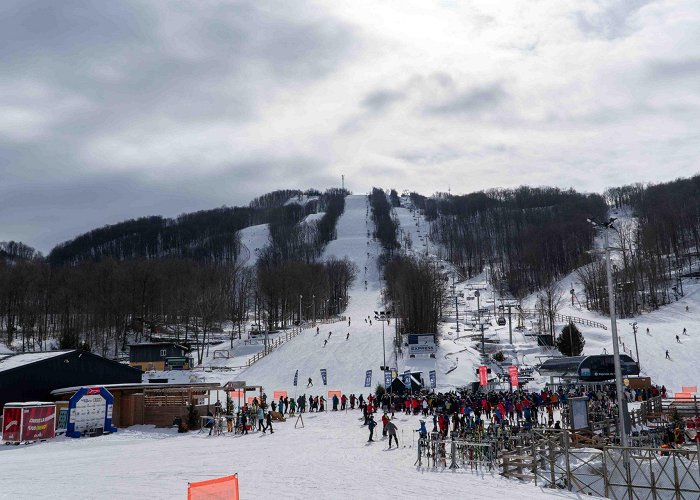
222, 488
279, 394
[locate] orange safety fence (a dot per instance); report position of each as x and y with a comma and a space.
236, 393
221, 488
336, 393
251, 398
692, 389
682, 395
279, 394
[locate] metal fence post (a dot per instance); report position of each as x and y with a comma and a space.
566, 459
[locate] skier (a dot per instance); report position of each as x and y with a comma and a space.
261, 427
269, 423
422, 431
348, 320
667, 355
335, 402
371, 424
317, 330
347, 336
385, 420
391, 430
310, 384
678, 339
329, 335
685, 332
647, 331
325, 341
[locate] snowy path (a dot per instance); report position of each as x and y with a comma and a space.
327, 459
345, 360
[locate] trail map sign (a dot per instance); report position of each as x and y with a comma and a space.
90, 412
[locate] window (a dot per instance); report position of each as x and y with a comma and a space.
163, 353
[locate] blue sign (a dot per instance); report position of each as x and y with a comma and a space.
90, 412
387, 378
406, 377
368, 378
296, 377
433, 379
323, 376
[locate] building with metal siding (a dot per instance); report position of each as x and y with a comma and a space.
32, 376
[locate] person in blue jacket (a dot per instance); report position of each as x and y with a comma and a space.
261, 419
422, 431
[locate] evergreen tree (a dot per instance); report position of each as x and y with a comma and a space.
570, 341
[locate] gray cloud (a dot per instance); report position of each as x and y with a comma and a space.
611, 20
473, 100
675, 68
379, 100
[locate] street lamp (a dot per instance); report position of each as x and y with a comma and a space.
382, 316
613, 327
481, 326
313, 301
300, 297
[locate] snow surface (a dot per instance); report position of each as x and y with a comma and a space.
328, 458
17, 360
254, 239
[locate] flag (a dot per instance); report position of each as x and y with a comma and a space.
323, 376
296, 377
433, 379
406, 377
368, 378
387, 378
483, 375
513, 372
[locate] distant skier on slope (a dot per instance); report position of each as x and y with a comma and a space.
325, 341
310, 384
667, 355
347, 336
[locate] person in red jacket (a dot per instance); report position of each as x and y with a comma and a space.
407, 405
415, 406
385, 420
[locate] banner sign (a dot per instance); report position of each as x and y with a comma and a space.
90, 412
387, 378
483, 375
38, 422
513, 372
406, 377
433, 379
296, 377
11, 421
368, 378
421, 344
323, 376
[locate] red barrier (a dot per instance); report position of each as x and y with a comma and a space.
222, 488
692, 389
279, 394
336, 392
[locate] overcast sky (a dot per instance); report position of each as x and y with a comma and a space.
113, 110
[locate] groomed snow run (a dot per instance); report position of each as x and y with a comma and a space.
329, 458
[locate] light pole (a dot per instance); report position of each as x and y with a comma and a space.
613, 327
481, 327
313, 301
300, 297
382, 316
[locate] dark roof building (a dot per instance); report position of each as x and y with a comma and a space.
159, 356
32, 376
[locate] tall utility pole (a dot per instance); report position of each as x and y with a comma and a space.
613, 327
300, 297
382, 316
313, 301
478, 315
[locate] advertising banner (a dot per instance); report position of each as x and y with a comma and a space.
90, 412
406, 378
387, 378
483, 375
38, 422
296, 377
433, 379
11, 420
513, 372
324, 376
421, 344
368, 378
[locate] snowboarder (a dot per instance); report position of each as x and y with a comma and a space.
667, 355
347, 336
371, 425
329, 335
310, 384
391, 430
647, 331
